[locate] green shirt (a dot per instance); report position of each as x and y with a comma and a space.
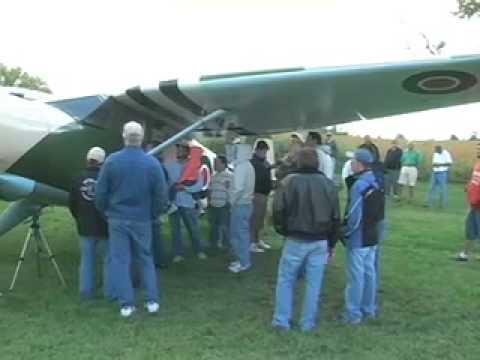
411, 158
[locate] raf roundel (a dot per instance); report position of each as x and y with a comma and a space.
440, 82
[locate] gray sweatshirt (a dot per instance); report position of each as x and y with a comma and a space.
243, 184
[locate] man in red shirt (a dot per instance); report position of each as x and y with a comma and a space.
472, 224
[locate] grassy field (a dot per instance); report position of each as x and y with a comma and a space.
430, 303
463, 153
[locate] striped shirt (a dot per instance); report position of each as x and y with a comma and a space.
219, 186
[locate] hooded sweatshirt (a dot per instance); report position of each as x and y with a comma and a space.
243, 184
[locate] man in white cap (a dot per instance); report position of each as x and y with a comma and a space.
132, 192
91, 226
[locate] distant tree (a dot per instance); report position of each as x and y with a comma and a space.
474, 136
468, 8
17, 77
453, 137
400, 137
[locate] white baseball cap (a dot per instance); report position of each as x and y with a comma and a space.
96, 153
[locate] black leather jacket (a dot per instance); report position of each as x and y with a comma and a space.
306, 207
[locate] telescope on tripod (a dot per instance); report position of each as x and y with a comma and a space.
42, 249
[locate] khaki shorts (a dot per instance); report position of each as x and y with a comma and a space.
408, 176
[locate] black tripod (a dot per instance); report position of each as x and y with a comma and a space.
35, 233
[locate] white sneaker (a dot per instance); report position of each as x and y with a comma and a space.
462, 257
152, 307
127, 311
234, 263
178, 259
238, 268
264, 245
202, 256
255, 249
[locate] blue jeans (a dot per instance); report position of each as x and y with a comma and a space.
240, 233
313, 255
472, 225
126, 237
189, 216
91, 247
360, 292
219, 218
391, 182
158, 250
440, 186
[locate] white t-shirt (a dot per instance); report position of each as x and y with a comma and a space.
347, 169
442, 158
326, 164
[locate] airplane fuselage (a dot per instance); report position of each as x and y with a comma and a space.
44, 144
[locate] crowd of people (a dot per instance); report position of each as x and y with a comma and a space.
121, 203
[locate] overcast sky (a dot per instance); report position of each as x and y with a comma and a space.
88, 47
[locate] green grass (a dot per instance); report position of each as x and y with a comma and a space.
430, 303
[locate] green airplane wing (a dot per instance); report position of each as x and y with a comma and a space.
284, 100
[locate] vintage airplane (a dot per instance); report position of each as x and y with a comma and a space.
43, 142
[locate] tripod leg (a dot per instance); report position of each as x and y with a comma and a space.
20, 259
38, 251
51, 256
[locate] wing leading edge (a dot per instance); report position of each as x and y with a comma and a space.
288, 99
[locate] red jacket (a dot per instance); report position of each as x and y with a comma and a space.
473, 188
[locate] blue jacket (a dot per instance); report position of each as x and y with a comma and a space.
131, 186
354, 226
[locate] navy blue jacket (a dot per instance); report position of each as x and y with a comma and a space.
81, 203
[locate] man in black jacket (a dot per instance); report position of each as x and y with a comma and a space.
393, 163
306, 211
91, 226
263, 186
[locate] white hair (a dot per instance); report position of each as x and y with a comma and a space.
133, 134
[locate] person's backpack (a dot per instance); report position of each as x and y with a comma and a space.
373, 209
378, 169
373, 213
